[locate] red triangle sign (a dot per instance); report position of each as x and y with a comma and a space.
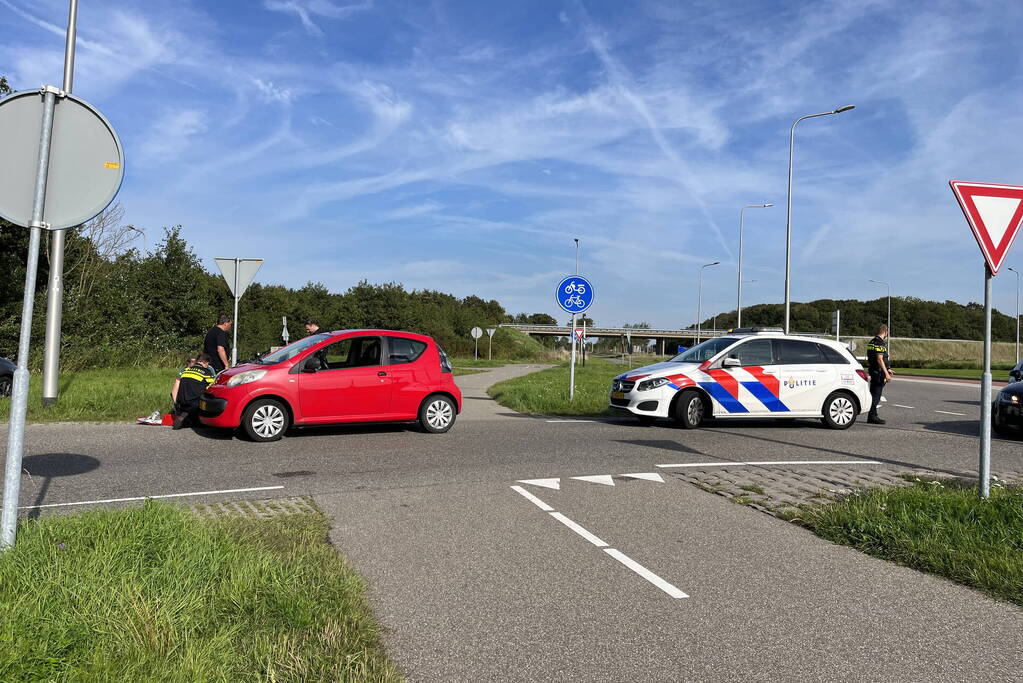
995, 213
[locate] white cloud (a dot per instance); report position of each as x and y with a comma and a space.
305, 10
172, 135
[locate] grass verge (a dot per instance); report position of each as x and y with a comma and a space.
937, 527
155, 593
953, 373
546, 392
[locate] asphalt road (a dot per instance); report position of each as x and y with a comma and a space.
475, 581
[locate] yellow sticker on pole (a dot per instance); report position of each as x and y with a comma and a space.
111, 164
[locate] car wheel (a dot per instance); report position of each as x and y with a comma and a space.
839, 411
437, 414
646, 420
689, 409
5, 386
265, 420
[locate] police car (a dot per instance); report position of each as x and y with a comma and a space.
749, 373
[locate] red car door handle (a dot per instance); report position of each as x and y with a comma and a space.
381, 374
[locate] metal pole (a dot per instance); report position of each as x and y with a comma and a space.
490, 348
699, 309
19, 396
1017, 313
984, 473
234, 321
889, 319
571, 366
55, 287
576, 255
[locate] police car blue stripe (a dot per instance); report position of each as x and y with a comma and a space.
764, 395
721, 395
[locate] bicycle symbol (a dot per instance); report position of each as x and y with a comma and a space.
576, 287
575, 300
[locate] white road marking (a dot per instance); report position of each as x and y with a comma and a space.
552, 483
945, 412
165, 495
649, 476
772, 462
578, 529
604, 479
645, 573
899, 405
533, 499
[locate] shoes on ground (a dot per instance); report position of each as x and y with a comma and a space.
179, 420
875, 421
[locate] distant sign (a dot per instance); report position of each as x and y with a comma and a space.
994, 213
476, 333
574, 294
238, 273
579, 332
490, 331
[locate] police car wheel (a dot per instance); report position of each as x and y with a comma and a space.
689, 409
265, 420
839, 411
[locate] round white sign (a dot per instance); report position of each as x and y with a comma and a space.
476, 333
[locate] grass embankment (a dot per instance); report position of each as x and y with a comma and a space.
942, 528
546, 392
123, 394
155, 593
952, 373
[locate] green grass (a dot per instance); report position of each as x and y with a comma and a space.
154, 593
937, 527
952, 373
546, 392
100, 395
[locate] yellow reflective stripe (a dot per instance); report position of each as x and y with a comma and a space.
197, 376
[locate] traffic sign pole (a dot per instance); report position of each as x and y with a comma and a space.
19, 395
984, 470
234, 320
571, 367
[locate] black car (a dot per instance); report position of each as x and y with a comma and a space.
1007, 410
1016, 374
6, 377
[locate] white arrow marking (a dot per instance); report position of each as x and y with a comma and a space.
649, 476
996, 212
554, 483
604, 479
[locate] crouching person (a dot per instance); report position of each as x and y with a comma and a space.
188, 387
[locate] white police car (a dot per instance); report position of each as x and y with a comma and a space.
749, 373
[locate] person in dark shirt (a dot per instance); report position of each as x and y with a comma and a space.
312, 326
190, 385
215, 345
880, 371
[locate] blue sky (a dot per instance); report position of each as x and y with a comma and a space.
462, 145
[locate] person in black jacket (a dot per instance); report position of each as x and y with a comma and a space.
190, 385
880, 371
216, 345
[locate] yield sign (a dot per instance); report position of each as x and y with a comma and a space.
238, 273
994, 213
579, 333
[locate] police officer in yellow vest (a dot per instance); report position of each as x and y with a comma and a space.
880, 371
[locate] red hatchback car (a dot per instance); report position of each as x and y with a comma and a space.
337, 377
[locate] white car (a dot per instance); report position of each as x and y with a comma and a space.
749, 373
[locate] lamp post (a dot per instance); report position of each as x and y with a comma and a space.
888, 285
1017, 313
699, 302
738, 297
576, 255
788, 214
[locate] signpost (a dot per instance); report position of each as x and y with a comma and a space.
574, 294
63, 164
490, 345
476, 333
994, 214
836, 324
284, 333
238, 274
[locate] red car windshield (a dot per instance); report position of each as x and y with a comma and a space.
292, 350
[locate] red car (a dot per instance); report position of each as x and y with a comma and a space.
337, 377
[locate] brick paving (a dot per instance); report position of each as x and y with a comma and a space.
780, 491
260, 509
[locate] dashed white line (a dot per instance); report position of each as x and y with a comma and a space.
578, 529
645, 573
772, 462
899, 405
946, 412
165, 495
533, 499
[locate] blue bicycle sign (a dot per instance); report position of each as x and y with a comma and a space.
575, 294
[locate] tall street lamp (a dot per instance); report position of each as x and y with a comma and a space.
1017, 313
888, 285
576, 255
788, 215
738, 306
699, 302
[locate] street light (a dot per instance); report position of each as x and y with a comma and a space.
738, 307
699, 302
788, 216
888, 285
1017, 313
576, 255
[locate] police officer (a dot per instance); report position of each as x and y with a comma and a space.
880, 371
